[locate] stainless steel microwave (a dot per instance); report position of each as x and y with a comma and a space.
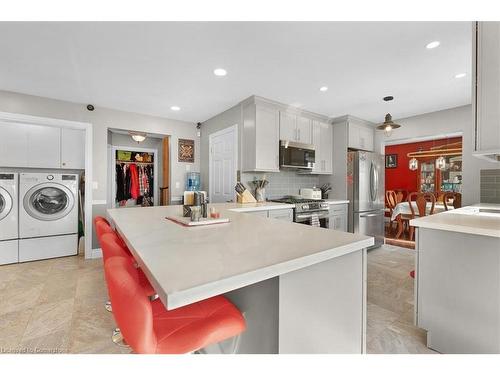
296, 155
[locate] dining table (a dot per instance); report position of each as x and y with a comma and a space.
403, 209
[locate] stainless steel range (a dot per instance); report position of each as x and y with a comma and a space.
308, 211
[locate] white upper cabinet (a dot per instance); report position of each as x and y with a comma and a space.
37, 146
13, 145
44, 145
322, 139
260, 138
295, 128
304, 130
72, 148
487, 90
288, 126
361, 136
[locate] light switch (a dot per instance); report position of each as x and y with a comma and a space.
177, 185
95, 185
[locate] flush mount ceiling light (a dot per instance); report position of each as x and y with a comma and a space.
220, 72
138, 137
433, 44
323, 88
460, 75
388, 125
175, 108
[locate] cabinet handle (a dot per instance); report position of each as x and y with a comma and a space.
298, 138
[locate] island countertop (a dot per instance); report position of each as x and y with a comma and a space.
189, 264
481, 219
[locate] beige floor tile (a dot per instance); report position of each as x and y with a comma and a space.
12, 327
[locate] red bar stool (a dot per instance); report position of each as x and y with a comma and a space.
149, 328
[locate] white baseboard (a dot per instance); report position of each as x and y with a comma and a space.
96, 253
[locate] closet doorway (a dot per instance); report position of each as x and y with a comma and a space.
138, 172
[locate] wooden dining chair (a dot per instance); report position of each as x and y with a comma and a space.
448, 199
401, 195
457, 201
391, 199
421, 200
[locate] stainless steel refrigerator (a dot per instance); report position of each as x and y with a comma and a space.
365, 191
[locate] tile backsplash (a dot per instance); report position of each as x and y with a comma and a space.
282, 183
490, 186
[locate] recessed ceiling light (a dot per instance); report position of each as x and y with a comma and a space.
175, 108
460, 75
220, 72
432, 45
323, 88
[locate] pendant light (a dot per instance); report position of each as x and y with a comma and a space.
138, 137
441, 163
388, 125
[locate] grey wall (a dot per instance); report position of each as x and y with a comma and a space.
447, 121
490, 186
102, 119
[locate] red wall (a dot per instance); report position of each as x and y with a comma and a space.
402, 177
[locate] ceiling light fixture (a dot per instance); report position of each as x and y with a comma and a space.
220, 72
138, 137
433, 44
388, 125
460, 75
175, 108
441, 163
323, 88
413, 164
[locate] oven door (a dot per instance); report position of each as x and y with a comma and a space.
313, 218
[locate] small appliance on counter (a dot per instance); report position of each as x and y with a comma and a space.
310, 193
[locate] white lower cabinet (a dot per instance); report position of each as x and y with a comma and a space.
337, 218
286, 214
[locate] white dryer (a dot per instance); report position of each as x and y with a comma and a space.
48, 215
9, 233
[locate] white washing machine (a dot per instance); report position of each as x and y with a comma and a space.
48, 215
9, 233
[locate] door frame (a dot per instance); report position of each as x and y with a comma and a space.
113, 148
88, 128
232, 128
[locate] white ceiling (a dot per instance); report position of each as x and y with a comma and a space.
148, 67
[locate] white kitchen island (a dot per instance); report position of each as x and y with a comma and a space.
457, 288
301, 289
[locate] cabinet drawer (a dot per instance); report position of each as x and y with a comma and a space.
286, 214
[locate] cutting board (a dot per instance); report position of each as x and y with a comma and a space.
186, 221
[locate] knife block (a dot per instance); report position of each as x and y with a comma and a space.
245, 197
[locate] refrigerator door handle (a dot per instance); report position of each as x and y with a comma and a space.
375, 179
370, 215
372, 181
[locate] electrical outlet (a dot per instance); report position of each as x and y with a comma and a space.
188, 167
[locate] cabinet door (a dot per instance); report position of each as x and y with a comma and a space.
267, 131
258, 213
44, 147
288, 127
353, 131
366, 138
286, 215
72, 148
326, 146
488, 86
338, 217
13, 145
304, 130
316, 141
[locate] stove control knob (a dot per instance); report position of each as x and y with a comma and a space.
305, 206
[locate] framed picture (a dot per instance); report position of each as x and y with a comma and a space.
186, 150
391, 161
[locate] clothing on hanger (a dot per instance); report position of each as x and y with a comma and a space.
134, 181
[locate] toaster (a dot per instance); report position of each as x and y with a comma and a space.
310, 193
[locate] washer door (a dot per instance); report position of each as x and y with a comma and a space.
48, 201
5, 203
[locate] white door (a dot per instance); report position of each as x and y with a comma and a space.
222, 173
